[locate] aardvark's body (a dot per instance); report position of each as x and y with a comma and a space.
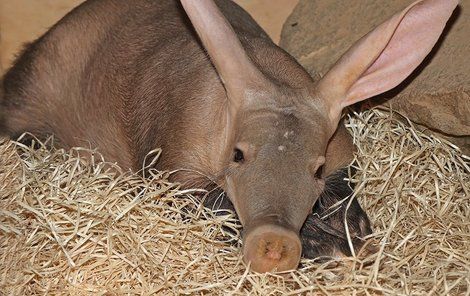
222, 100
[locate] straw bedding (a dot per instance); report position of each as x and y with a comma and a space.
70, 227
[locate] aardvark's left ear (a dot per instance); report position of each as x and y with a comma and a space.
384, 57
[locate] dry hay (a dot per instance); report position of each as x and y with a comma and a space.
68, 227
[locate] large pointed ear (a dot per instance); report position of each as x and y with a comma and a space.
384, 57
233, 65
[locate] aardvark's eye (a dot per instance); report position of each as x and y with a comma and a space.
238, 156
319, 172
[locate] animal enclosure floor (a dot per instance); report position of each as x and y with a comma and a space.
69, 227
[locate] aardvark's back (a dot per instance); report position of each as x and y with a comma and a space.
124, 77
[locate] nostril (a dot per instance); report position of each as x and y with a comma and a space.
274, 255
274, 251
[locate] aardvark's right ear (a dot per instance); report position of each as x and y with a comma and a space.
236, 70
384, 57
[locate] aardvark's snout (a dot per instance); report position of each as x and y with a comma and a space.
270, 247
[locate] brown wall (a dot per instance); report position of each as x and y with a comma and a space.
24, 20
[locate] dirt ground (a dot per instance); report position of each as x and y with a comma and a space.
24, 20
